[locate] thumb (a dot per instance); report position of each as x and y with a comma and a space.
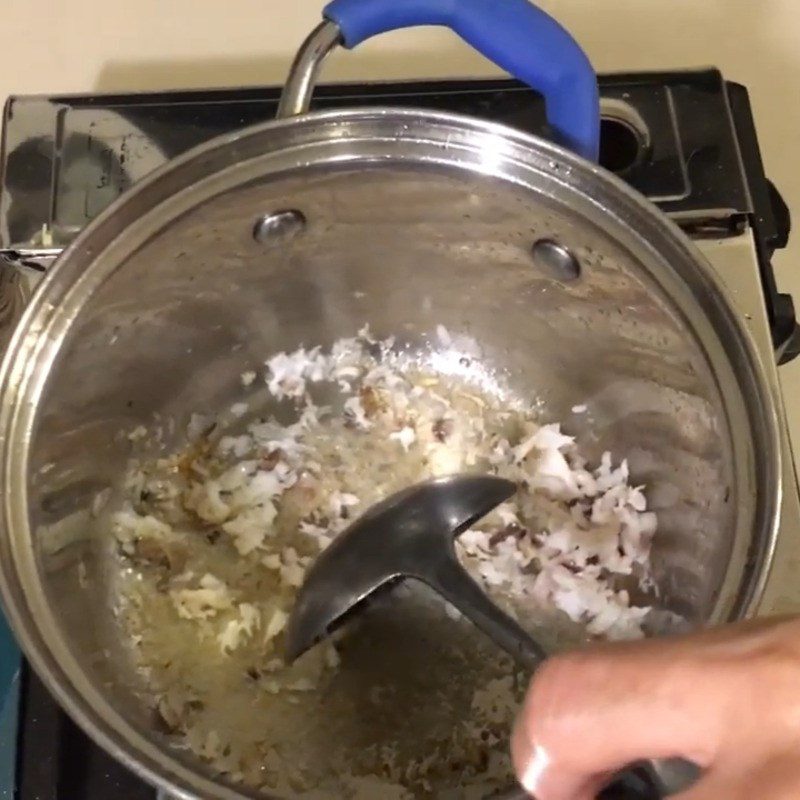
775, 778
589, 715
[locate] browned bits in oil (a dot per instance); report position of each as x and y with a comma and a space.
510, 530
271, 459
371, 401
201, 449
170, 555
151, 551
443, 429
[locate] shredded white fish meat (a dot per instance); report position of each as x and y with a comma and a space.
215, 542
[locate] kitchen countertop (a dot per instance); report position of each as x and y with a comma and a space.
94, 45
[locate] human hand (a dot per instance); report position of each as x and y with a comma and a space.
727, 700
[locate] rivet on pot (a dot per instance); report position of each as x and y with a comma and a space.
559, 261
279, 226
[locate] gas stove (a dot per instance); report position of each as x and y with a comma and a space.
686, 140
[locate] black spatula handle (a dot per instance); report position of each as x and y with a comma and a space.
638, 783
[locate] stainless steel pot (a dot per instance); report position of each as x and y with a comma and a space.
301, 230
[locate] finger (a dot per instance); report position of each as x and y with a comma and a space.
531, 761
712, 790
773, 778
589, 715
541, 778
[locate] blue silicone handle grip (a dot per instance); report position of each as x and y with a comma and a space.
515, 35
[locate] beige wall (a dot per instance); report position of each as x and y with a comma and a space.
81, 45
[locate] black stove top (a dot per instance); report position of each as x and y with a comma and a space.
686, 140
56, 761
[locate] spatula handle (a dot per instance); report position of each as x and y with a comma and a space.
634, 784
643, 781
455, 584
639, 782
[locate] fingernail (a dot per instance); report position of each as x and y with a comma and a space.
532, 775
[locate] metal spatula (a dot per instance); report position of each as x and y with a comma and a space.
411, 535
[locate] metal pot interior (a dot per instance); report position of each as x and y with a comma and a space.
411, 221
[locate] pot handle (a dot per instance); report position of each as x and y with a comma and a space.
515, 35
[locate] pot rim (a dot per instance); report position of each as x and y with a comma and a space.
31, 353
